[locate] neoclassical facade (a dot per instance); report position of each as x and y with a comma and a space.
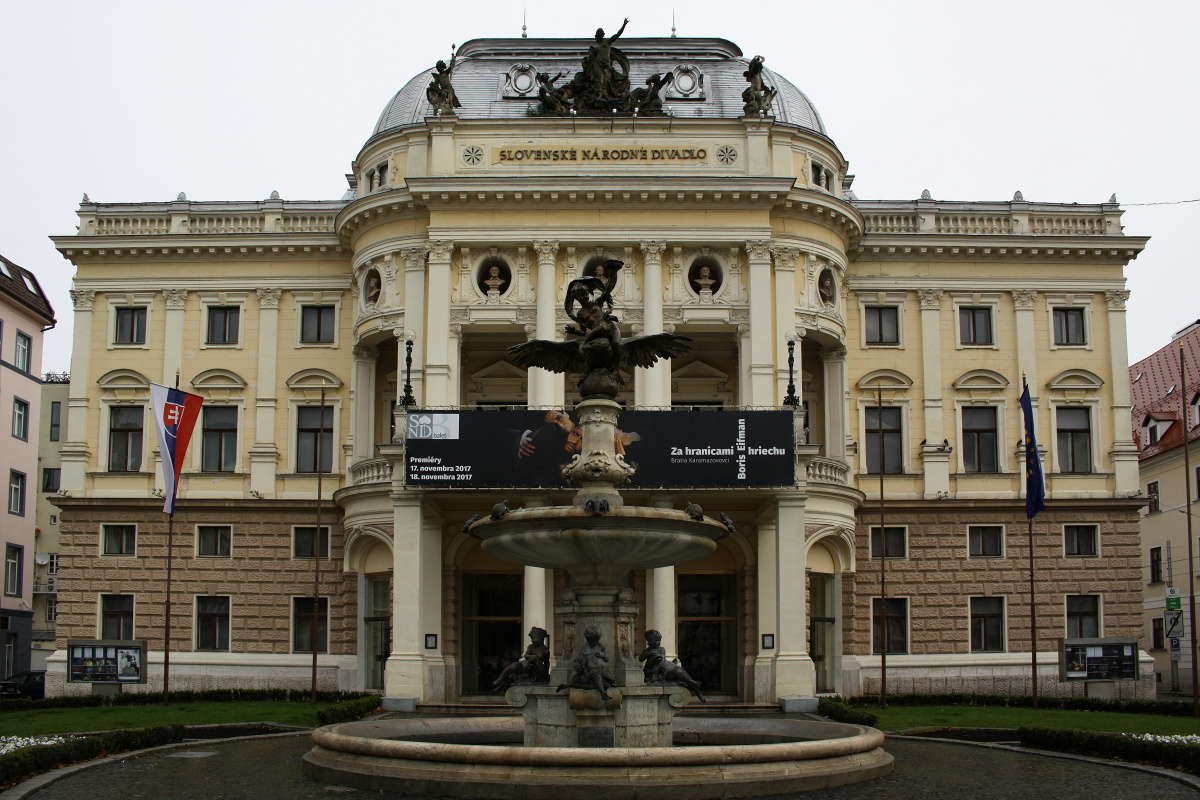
911, 325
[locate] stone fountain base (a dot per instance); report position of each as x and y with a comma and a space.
633, 716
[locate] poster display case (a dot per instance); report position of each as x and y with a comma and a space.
106, 661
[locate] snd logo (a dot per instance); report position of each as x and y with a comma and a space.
433, 426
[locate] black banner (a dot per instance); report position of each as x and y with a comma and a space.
515, 448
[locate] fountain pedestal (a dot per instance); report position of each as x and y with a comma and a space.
633, 716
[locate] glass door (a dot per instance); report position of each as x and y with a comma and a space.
378, 622
821, 629
707, 612
491, 628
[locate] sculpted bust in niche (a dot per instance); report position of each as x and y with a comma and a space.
826, 288
372, 287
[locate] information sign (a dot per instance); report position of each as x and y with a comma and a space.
1174, 601
1176, 652
1098, 659
1173, 622
106, 660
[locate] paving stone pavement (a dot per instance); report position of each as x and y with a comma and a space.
269, 769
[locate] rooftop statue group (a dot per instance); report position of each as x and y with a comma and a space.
602, 86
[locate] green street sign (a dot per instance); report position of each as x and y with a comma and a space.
1174, 604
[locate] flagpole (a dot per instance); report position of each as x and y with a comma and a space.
882, 553
317, 548
1034, 502
167, 631
1032, 613
1187, 510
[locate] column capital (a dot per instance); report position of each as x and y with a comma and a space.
758, 250
833, 354
1023, 299
547, 250
268, 298
176, 298
785, 256
1116, 299
82, 299
365, 353
440, 250
931, 299
653, 250
414, 257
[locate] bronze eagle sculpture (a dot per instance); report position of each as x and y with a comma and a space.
600, 353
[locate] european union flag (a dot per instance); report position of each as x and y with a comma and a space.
1035, 486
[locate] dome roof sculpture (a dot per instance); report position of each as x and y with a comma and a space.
496, 79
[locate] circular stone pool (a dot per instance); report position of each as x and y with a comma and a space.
483, 757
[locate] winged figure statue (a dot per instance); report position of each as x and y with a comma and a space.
599, 353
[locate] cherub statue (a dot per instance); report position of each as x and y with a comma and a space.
758, 95
532, 668
648, 100
658, 669
589, 667
554, 100
440, 91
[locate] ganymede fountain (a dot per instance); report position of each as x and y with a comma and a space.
594, 721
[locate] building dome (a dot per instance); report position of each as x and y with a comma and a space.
496, 79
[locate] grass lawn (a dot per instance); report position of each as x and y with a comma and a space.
898, 718
72, 720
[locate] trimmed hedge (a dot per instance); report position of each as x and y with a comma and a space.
1185, 757
838, 711
1172, 708
206, 696
348, 711
23, 764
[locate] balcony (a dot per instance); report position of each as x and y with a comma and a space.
48, 585
371, 470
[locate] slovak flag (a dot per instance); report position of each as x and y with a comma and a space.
175, 415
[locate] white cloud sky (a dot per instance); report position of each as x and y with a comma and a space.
1066, 101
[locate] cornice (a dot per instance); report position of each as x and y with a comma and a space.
202, 246
229, 283
975, 283
956, 247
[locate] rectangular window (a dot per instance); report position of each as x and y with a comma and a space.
223, 324
20, 419
310, 425
316, 324
897, 544
897, 625
302, 542
980, 453
116, 616
214, 541
23, 354
131, 325
51, 608
12, 570
987, 624
1083, 616
50, 478
975, 325
882, 324
219, 439
55, 420
985, 541
1068, 326
125, 439
889, 440
1081, 540
1153, 504
52, 566
1156, 565
302, 615
120, 540
1158, 639
1074, 440
16, 493
212, 623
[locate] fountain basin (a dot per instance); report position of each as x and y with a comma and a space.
603, 548
482, 757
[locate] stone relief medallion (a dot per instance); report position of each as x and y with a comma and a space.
727, 154
472, 155
372, 286
827, 287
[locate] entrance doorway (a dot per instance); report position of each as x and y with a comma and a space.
707, 613
491, 627
821, 629
378, 634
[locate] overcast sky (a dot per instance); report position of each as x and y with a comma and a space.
1066, 101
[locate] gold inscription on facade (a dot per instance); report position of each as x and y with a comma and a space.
542, 155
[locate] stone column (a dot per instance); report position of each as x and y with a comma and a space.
936, 465
75, 451
537, 584
768, 607
652, 389
785, 315
794, 674
662, 615
414, 320
1027, 365
264, 454
762, 355
431, 610
173, 333
1125, 452
405, 674
834, 361
545, 388
743, 346
362, 393
437, 326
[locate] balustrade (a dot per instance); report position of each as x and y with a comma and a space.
891, 223
828, 470
1069, 226
307, 223
225, 224
371, 470
132, 226
973, 224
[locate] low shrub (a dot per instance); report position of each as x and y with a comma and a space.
23, 764
206, 696
838, 711
348, 711
1160, 708
1172, 755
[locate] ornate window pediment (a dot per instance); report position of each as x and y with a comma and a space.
892, 382
309, 382
981, 385
124, 384
218, 384
1075, 385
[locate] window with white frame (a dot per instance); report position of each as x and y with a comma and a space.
882, 325
214, 541
51, 608
223, 318
317, 315
1070, 320
1083, 616
314, 429
212, 623
13, 557
980, 439
52, 565
891, 616
16, 493
20, 419
130, 325
302, 619
985, 541
118, 540
125, 438
976, 319
1081, 541
23, 354
116, 616
987, 624
302, 541
1074, 432
219, 430
897, 542
885, 442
